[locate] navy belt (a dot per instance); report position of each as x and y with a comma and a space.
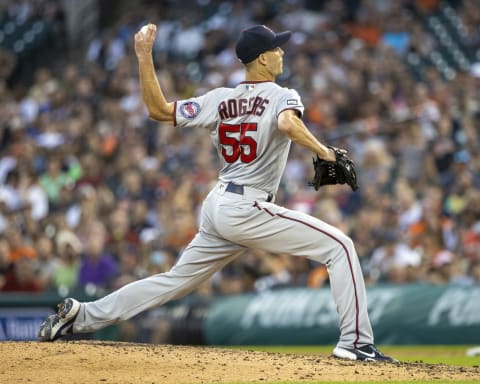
238, 189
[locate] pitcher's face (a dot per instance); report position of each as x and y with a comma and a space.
275, 61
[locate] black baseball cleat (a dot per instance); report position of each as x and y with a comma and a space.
365, 353
61, 323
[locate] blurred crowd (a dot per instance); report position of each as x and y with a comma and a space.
94, 195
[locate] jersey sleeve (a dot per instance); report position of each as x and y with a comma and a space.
196, 111
289, 99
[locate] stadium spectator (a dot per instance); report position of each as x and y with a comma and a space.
46, 262
53, 180
22, 278
98, 269
5, 263
66, 273
393, 261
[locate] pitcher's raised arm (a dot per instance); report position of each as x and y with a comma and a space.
158, 106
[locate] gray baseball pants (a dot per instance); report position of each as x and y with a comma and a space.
231, 223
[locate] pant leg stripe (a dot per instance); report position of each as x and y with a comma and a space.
357, 332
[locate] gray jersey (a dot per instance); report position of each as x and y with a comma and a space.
243, 125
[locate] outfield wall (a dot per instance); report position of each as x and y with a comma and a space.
412, 314
407, 314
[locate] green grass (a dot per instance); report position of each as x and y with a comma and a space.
431, 354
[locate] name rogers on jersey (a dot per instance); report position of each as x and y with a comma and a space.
241, 107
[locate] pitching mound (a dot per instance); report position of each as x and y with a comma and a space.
108, 362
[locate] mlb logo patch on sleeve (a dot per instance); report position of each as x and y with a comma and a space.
292, 102
190, 110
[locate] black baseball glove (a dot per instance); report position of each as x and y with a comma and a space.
340, 171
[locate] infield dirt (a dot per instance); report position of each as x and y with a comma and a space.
108, 362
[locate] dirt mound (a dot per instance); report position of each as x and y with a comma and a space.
107, 362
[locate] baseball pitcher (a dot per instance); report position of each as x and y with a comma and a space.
252, 126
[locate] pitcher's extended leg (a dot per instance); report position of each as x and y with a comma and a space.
201, 259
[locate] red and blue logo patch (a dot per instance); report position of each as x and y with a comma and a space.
190, 110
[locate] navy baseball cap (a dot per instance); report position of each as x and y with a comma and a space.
258, 39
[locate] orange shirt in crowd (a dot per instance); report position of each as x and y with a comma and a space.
22, 251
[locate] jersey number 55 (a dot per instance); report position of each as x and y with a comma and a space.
244, 148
